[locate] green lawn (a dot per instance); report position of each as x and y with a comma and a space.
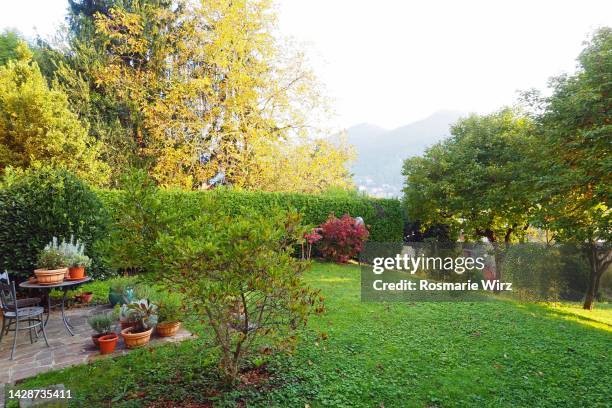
391, 355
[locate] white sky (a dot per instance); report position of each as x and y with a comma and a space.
390, 62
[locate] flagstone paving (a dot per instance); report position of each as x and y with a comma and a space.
65, 350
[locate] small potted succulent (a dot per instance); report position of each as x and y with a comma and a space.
169, 315
102, 324
52, 265
144, 314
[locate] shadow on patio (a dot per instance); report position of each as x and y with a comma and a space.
65, 350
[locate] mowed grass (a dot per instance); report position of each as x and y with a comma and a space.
376, 354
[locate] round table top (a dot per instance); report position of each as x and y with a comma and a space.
64, 284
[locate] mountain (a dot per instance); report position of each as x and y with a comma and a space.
381, 152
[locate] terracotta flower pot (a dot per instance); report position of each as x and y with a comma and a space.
77, 272
135, 340
108, 343
167, 329
96, 338
50, 277
86, 297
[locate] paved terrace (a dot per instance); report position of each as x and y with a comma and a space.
64, 351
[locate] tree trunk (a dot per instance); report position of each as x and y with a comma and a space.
599, 260
591, 291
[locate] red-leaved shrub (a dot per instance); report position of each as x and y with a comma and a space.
343, 238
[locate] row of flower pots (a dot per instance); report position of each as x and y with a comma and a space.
107, 342
137, 320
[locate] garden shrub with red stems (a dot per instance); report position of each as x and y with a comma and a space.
342, 238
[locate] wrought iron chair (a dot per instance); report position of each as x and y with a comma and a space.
25, 302
31, 315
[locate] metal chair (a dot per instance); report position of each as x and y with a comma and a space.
25, 302
32, 315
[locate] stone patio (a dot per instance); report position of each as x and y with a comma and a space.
64, 351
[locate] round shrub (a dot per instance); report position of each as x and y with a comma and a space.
342, 238
36, 206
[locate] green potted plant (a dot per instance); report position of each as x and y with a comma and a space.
78, 263
74, 250
102, 324
145, 315
51, 264
127, 318
168, 315
121, 291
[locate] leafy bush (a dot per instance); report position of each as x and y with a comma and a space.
342, 238
238, 274
135, 220
36, 206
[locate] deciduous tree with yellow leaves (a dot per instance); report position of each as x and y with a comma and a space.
215, 98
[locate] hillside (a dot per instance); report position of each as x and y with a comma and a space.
381, 152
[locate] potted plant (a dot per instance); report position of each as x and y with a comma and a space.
52, 265
127, 318
78, 263
145, 315
84, 297
102, 324
108, 342
169, 315
74, 250
121, 291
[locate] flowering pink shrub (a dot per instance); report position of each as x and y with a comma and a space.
342, 238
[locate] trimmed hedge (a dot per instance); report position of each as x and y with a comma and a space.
384, 217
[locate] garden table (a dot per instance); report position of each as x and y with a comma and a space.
64, 286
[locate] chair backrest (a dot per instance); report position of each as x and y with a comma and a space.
8, 296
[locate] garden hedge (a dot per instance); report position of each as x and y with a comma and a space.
382, 216
39, 205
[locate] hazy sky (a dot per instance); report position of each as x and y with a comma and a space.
390, 62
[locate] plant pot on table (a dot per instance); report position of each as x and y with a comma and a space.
77, 272
50, 276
